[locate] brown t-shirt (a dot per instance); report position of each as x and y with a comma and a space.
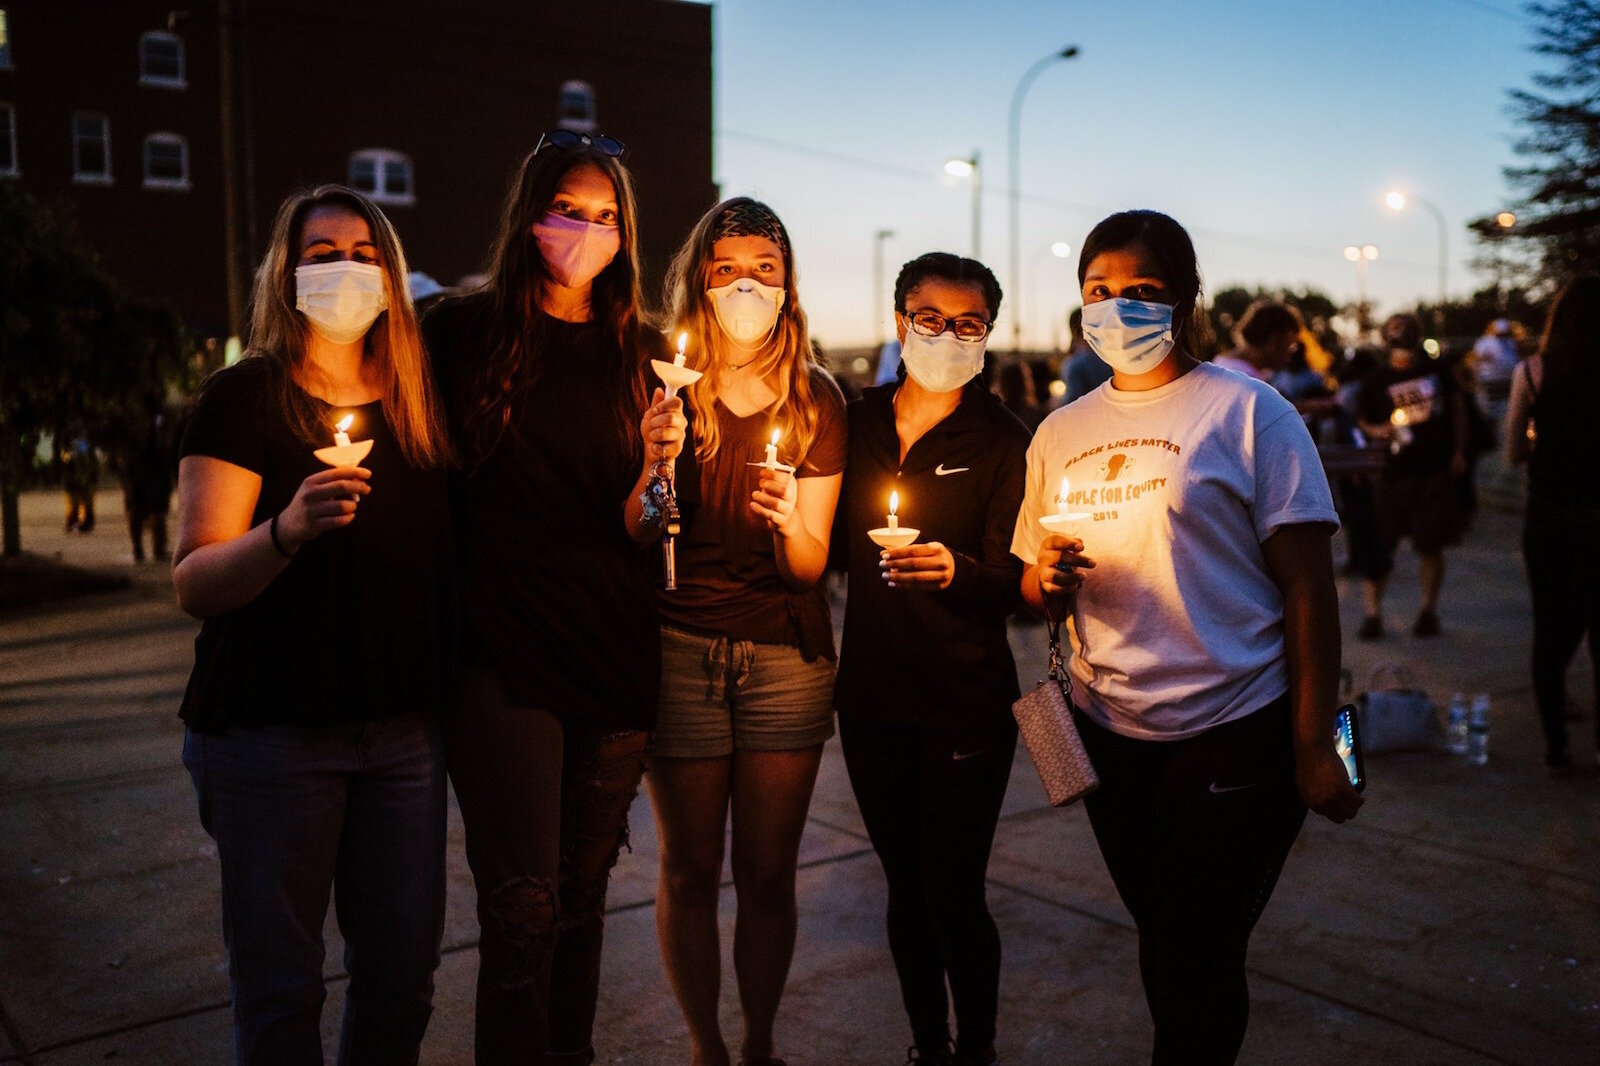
728, 579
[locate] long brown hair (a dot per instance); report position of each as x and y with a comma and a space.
279, 334
785, 359
517, 274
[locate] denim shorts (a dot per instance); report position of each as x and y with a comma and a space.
719, 695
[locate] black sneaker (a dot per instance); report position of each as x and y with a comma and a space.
1371, 628
1426, 625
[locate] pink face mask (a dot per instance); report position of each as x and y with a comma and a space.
574, 250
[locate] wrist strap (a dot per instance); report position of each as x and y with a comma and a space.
272, 530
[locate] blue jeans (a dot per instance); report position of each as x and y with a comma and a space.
357, 808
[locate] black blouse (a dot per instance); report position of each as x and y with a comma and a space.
358, 626
557, 596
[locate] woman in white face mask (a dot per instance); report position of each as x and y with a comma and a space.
926, 679
1205, 651
747, 642
327, 591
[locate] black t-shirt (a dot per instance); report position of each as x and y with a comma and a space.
728, 578
359, 625
1425, 396
556, 594
932, 659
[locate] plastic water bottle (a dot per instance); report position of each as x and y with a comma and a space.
1456, 727
1478, 730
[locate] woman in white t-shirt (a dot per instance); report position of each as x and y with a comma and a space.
1205, 651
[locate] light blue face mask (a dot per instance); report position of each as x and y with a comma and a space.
1132, 336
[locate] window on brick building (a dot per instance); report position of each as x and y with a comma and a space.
576, 106
161, 60
383, 175
166, 161
91, 149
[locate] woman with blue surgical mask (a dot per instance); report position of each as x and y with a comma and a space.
1205, 638
746, 636
926, 678
325, 578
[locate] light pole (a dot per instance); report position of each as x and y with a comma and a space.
1013, 153
877, 284
1361, 255
1397, 202
1061, 250
971, 167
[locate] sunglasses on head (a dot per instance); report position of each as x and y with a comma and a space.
572, 139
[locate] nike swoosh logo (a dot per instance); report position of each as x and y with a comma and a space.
957, 756
941, 471
1219, 790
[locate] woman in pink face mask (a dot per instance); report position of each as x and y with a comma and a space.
543, 373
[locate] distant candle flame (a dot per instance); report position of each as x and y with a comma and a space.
343, 425
894, 502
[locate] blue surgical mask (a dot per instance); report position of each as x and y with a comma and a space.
943, 363
1132, 336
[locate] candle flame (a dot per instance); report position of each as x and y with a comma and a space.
1066, 490
344, 423
683, 342
775, 435
894, 502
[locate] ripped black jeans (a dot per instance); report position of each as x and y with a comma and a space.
545, 803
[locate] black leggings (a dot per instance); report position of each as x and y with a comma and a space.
1194, 833
1558, 547
930, 800
545, 805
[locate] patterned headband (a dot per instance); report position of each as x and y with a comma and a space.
749, 218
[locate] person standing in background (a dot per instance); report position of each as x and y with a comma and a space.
1550, 427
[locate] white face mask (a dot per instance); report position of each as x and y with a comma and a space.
1132, 336
943, 363
746, 310
341, 299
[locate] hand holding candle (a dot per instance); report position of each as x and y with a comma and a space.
1060, 558
771, 461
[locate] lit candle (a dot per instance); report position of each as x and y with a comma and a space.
683, 342
341, 439
772, 452
1061, 501
894, 505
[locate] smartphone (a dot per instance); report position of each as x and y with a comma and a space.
1347, 742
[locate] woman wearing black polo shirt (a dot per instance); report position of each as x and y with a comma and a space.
544, 377
326, 590
926, 678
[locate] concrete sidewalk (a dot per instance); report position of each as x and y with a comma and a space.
1456, 921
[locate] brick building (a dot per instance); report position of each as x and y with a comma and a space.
140, 111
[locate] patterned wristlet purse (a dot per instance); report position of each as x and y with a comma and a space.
1044, 716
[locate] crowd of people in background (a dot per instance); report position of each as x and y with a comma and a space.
475, 593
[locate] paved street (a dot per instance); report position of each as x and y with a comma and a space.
1456, 921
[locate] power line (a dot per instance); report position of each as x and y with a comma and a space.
914, 174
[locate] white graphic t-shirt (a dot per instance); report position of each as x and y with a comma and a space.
1179, 627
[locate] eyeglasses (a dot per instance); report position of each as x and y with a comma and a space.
571, 139
931, 324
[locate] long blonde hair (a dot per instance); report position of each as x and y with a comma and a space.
279, 334
785, 359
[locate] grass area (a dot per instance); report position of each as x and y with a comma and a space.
29, 580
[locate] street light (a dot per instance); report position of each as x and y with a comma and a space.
1013, 152
1361, 255
970, 167
1397, 202
877, 284
1059, 249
